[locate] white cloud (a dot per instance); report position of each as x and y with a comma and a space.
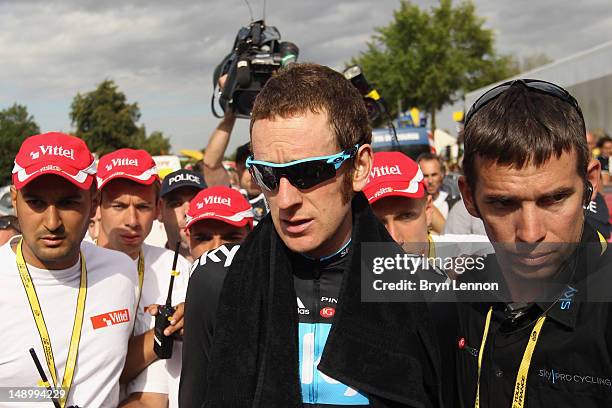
162, 53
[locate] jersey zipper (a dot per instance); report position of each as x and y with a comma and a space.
317, 304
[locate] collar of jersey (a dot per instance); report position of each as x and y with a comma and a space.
339, 254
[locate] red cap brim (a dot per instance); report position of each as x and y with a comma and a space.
79, 178
226, 219
377, 191
123, 175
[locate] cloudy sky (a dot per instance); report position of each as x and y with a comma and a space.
162, 53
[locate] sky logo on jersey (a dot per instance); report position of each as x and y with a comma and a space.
110, 319
565, 302
318, 388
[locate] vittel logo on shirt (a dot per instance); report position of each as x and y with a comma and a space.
379, 171
110, 318
52, 151
184, 177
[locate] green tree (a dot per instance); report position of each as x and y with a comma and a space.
427, 58
106, 122
16, 124
156, 144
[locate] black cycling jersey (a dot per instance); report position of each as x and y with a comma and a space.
317, 285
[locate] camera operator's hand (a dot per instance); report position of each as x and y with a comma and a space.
221, 83
213, 171
228, 117
176, 324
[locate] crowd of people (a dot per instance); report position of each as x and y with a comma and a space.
268, 278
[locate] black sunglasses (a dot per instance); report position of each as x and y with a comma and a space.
303, 174
547, 88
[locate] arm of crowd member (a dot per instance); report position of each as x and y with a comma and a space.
145, 400
140, 348
437, 221
214, 172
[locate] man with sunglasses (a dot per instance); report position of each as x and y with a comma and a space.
291, 328
544, 338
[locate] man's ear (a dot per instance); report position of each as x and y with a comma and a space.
14, 199
593, 176
468, 197
95, 202
362, 167
158, 212
188, 234
429, 209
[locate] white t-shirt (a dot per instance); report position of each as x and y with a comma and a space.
162, 376
451, 245
157, 236
107, 324
441, 204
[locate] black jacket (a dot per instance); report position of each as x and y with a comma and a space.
387, 351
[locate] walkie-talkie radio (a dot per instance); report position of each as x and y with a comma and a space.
162, 345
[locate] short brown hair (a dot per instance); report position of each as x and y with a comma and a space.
431, 156
522, 127
316, 88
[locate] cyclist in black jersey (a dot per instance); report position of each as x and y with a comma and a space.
289, 326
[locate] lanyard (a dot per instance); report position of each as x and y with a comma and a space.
28, 285
432, 247
602, 242
520, 387
140, 276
